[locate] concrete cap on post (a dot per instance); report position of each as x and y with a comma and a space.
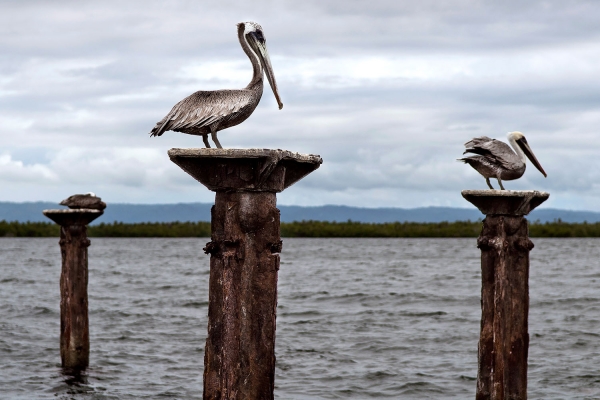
505, 202
80, 216
245, 170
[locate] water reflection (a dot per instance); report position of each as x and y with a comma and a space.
75, 378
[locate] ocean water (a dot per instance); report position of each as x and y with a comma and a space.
357, 319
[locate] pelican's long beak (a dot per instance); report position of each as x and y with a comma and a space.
522, 142
260, 47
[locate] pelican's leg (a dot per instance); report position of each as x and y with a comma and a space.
487, 180
500, 183
205, 140
214, 138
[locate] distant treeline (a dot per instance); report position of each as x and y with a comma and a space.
116, 229
319, 229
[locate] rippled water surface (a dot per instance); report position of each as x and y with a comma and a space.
357, 319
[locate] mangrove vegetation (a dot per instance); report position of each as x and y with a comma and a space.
315, 229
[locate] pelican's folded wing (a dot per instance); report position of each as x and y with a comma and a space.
493, 150
202, 109
478, 145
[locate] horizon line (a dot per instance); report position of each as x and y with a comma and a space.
295, 205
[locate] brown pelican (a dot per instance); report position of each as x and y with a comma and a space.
497, 160
88, 200
207, 112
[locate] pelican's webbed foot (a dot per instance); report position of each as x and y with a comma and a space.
487, 180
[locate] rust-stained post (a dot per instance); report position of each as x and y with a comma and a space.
505, 245
239, 361
74, 329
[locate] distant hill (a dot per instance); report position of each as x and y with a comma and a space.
131, 213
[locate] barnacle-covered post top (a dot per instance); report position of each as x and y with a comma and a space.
505, 202
74, 325
505, 246
66, 217
248, 170
239, 360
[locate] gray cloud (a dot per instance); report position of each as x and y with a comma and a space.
387, 92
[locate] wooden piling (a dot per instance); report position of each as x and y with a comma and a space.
505, 245
74, 325
239, 360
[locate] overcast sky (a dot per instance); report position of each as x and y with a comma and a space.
387, 92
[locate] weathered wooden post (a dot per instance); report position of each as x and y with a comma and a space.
239, 361
505, 245
74, 329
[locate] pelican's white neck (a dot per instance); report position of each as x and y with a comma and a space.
512, 139
254, 55
257, 74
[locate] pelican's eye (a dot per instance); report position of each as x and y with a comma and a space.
258, 35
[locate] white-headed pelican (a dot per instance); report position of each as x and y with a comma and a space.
207, 112
496, 160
